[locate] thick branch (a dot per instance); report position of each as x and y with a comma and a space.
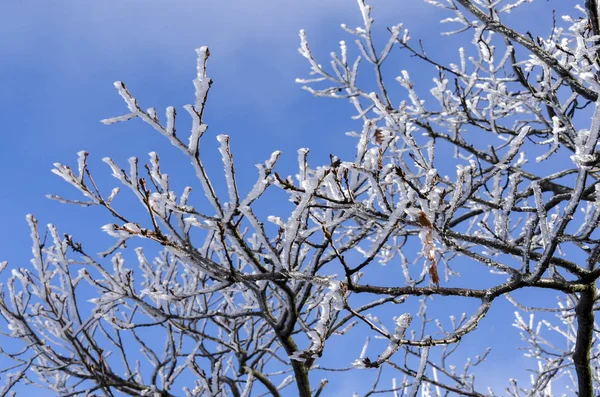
585, 338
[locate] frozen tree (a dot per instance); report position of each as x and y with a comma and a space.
236, 301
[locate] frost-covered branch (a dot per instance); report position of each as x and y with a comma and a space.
479, 186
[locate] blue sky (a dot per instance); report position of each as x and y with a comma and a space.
59, 60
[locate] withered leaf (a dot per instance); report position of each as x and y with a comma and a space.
434, 274
423, 220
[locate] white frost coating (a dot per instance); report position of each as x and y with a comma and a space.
497, 188
81, 159
294, 221
261, 234
269, 164
132, 227
485, 51
557, 129
390, 226
336, 294
198, 129
515, 145
117, 172
249, 383
193, 221
376, 190
119, 119
592, 138
395, 30
183, 199
227, 159
344, 52
129, 100
543, 219
332, 187
463, 62
361, 147
171, 116
276, 220
115, 231
402, 324
309, 185
439, 90
413, 212
158, 204
585, 161
405, 82
152, 113
60, 246
420, 372
331, 303
509, 7
201, 82
263, 181
502, 220
37, 261
64, 171
287, 381
112, 195
257, 190
363, 352
371, 159
161, 180
302, 165
304, 50
583, 158
133, 170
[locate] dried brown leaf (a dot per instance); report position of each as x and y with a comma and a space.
423, 220
434, 274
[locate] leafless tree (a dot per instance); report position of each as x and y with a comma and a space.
239, 304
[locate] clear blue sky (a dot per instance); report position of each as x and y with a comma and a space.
59, 60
